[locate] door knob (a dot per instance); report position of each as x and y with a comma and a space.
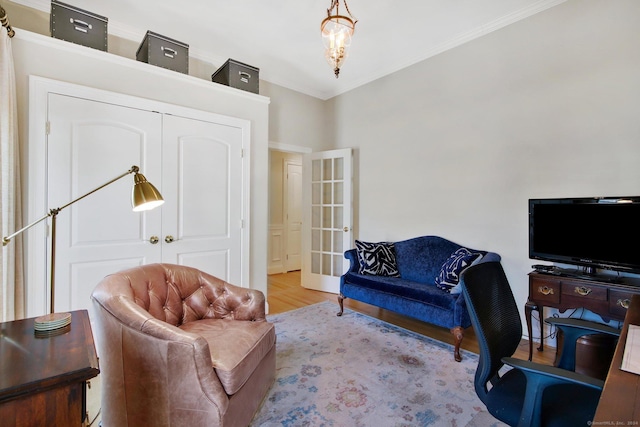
153, 240
169, 239
346, 229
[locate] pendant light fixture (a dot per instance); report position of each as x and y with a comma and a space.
337, 31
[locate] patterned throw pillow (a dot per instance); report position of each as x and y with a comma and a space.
377, 259
449, 278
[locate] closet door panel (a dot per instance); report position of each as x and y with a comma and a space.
90, 143
204, 186
202, 167
99, 151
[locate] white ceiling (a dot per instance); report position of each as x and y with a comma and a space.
282, 37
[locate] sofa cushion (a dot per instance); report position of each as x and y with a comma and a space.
237, 347
377, 259
426, 294
449, 278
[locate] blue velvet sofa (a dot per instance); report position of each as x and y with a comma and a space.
415, 288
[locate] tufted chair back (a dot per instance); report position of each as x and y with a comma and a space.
179, 347
178, 294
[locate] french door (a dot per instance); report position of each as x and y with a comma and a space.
328, 217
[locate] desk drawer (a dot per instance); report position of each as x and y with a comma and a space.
584, 291
544, 290
619, 302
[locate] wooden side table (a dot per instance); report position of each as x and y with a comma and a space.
609, 300
43, 376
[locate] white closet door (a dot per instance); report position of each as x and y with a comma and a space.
90, 143
203, 176
199, 164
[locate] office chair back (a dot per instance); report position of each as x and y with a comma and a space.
495, 319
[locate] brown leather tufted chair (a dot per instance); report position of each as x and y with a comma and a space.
179, 347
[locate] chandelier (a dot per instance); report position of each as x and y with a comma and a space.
336, 34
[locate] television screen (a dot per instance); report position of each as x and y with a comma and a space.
591, 232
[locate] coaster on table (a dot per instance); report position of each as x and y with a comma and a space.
52, 333
52, 321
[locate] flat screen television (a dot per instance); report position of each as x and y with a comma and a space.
598, 232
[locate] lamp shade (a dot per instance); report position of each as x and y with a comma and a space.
144, 195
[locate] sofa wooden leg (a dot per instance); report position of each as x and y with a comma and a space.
340, 301
458, 334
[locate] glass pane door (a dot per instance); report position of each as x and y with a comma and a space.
329, 231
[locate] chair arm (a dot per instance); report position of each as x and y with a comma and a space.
540, 377
583, 325
572, 330
241, 304
556, 375
354, 264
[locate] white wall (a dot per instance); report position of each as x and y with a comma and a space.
39, 55
296, 118
456, 145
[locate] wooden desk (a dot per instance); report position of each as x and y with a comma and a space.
607, 299
43, 378
620, 401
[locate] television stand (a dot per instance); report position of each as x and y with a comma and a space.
563, 291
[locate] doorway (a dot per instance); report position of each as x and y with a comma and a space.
285, 211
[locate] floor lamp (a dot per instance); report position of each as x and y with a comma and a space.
143, 197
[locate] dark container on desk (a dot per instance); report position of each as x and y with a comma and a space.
164, 52
78, 26
238, 75
593, 354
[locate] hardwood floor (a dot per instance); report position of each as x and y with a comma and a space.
285, 293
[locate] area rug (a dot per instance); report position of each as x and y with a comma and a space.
356, 370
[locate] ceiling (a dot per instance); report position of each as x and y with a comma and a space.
282, 37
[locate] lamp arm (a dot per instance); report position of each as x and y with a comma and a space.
7, 239
133, 169
52, 212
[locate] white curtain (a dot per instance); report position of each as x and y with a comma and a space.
12, 303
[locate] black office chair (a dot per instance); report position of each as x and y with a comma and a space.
530, 394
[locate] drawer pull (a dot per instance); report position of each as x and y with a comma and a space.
545, 290
624, 303
581, 290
